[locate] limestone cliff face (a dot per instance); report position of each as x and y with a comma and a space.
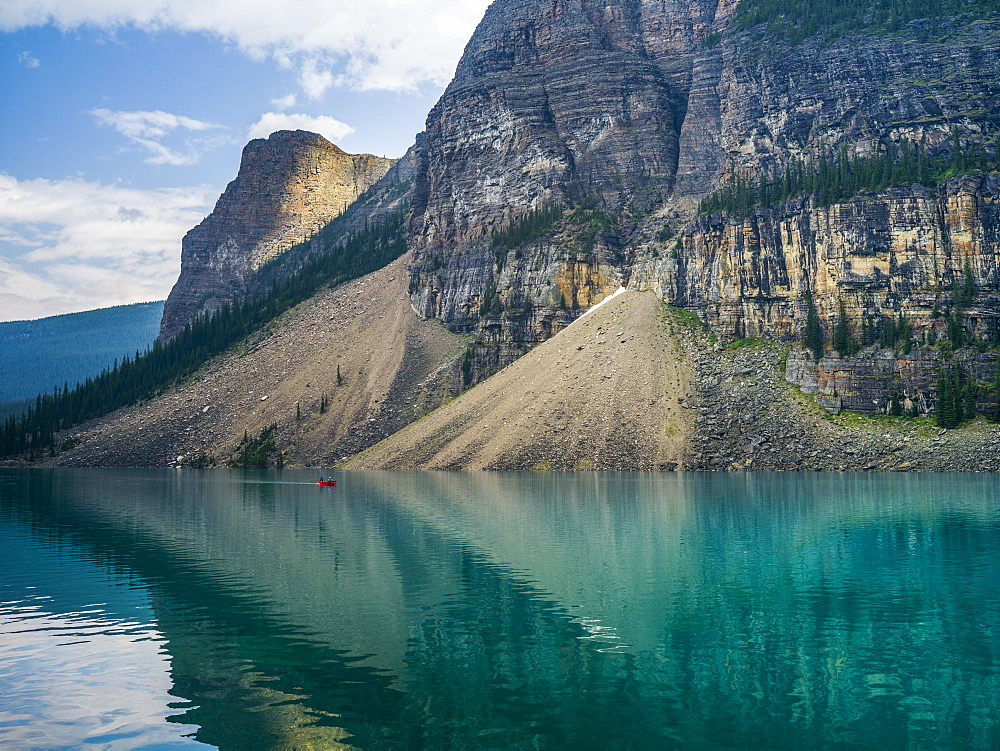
903, 250
289, 185
552, 102
554, 99
634, 109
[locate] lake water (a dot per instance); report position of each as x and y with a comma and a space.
243, 610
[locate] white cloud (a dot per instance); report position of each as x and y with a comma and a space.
378, 44
330, 129
147, 129
89, 245
154, 124
315, 78
27, 60
285, 102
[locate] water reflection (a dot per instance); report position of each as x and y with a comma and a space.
450, 610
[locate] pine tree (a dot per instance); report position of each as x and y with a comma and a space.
868, 332
996, 391
945, 415
970, 392
956, 332
958, 392
841, 331
887, 332
895, 406
968, 285
812, 337
905, 331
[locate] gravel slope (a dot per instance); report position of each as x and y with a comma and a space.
601, 394
392, 365
628, 386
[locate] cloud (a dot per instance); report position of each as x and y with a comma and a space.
332, 130
148, 124
285, 102
70, 245
315, 78
379, 44
27, 60
147, 129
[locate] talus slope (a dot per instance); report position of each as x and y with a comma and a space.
337, 373
602, 394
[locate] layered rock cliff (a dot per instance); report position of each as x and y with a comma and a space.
289, 186
628, 112
881, 254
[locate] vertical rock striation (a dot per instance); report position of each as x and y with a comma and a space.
289, 185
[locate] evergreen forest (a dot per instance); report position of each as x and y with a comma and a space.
795, 20
37, 355
831, 180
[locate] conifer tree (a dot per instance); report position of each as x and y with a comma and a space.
841, 331
812, 336
956, 332
905, 331
945, 414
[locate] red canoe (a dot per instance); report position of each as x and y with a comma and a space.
327, 483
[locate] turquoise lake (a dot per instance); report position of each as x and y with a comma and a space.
254, 610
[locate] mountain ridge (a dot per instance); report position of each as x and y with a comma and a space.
44, 353
569, 157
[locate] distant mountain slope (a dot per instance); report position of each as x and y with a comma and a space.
36, 356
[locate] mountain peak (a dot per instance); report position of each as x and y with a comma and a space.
289, 186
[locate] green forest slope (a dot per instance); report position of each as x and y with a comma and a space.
36, 356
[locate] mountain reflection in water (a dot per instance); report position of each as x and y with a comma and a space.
504, 610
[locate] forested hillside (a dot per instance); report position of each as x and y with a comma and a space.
37, 355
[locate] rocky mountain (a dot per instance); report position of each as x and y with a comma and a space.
289, 186
627, 113
817, 184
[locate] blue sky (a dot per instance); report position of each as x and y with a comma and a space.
125, 119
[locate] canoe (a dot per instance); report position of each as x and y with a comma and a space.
327, 483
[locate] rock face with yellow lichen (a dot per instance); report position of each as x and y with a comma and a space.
289, 186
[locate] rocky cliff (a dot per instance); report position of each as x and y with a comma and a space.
901, 251
288, 187
552, 102
628, 112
